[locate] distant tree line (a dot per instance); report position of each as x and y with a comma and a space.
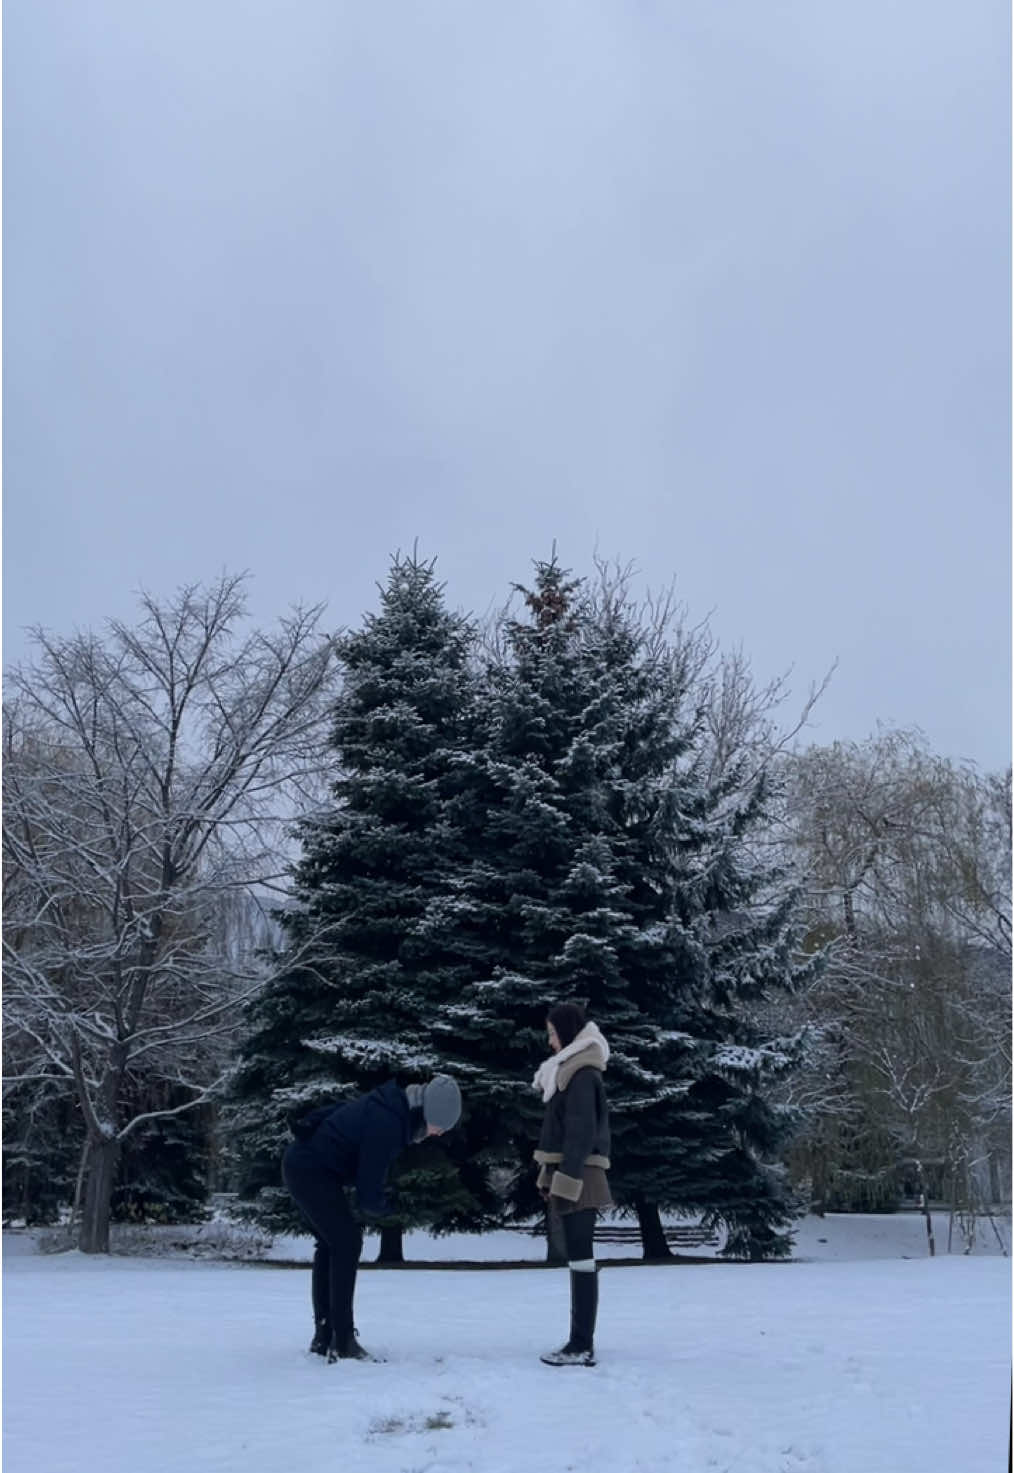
246, 872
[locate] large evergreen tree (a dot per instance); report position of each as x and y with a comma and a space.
368, 987
507, 917
605, 865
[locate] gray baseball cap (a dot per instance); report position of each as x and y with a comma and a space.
441, 1102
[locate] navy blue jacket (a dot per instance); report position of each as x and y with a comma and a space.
358, 1142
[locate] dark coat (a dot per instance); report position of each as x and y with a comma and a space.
575, 1130
357, 1142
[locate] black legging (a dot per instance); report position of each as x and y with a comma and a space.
579, 1234
320, 1197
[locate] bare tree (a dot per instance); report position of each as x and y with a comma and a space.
908, 857
151, 775
743, 718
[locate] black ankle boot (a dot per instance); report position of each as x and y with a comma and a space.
321, 1342
345, 1346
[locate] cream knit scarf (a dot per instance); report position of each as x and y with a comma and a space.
589, 1038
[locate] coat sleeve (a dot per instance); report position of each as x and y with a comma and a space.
377, 1149
579, 1124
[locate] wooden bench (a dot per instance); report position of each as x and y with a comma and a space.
678, 1235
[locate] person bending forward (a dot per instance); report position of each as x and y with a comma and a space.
353, 1145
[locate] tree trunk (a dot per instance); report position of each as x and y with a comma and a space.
819, 1179
653, 1241
924, 1205
392, 1248
849, 903
82, 1168
996, 1192
103, 1159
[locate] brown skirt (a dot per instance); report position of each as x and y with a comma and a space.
594, 1190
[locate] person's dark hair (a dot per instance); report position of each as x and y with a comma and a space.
568, 1019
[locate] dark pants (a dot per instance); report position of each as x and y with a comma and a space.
579, 1234
320, 1196
573, 1233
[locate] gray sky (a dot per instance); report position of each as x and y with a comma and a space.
722, 288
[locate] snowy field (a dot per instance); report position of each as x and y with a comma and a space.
843, 1365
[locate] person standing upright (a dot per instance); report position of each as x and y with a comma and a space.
573, 1157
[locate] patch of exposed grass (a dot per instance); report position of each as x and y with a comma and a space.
388, 1425
438, 1420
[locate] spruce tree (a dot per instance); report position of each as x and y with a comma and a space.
163, 1174
712, 931
703, 1134
368, 985
605, 866
535, 912
505, 916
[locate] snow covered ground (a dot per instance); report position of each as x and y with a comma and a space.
861, 1365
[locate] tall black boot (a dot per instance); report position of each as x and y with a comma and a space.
584, 1308
320, 1285
341, 1311
584, 1302
344, 1343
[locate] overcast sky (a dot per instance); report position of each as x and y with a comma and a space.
718, 286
